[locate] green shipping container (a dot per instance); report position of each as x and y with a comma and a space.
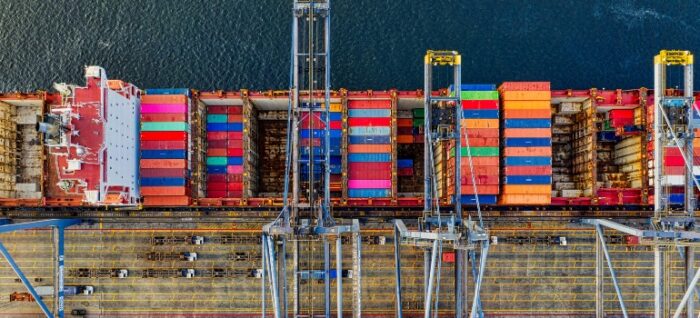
481, 151
216, 161
480, 95
216, 118
418, 122
163, 126
418, 113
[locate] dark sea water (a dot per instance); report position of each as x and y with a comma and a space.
231, 44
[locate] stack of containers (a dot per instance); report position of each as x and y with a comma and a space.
405, 167
164, 147
224, 151
418, 125
480, 125
527, 143
674, 174
369, 149
311, 133
404, 125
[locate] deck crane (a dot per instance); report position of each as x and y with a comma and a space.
444, 228
671, 227
307, 176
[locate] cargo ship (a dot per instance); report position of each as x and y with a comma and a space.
109, 143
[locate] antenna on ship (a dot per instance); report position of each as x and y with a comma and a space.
306, 217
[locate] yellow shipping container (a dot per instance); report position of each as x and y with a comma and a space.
520, 104
526, 189
526, 95
336, 107
480, 123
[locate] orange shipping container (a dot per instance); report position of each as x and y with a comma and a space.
527, 133
479, 170
484, 161
480, 123
510, 199
216, 152
369, 148
527, 151
481, 189
519, 104
163, 191
527, 189
527, 113
172, 200
163, 163
526, 95
235, 118
163, 99
404, 139
480, 132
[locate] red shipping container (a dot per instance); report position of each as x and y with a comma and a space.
580, 201
373, 122
560, 201
405, 131
217, 109
673, 161
163, 163
527, 170
217, 144
235, 144
171, 200
674, 171
481, 179
336, 124
481, 132
234, 152
480, 104
525, 86
216, 186
235, 118
179, 117
364, 174
164, 135
163, 191
235, 177
621, 113
216, 152
212, 178
369, 104
479, 170
235, 186
672, 151
306, 124
217, 135
216, 194
234, 110
481, 142
369, 166
235, 135
405, 171
163, 145
404, 122
448, 257
306, 142
234, 194
163, 173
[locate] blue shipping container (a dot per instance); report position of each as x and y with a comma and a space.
369, 193
163, 182
234, 161
480, 114
404, 163
163, 154
168, 91
527, 180
528, 142
217, 127
318, 133
528, 123
528, 161
336, 116
369, 157
234, 126
470, 199
216, 169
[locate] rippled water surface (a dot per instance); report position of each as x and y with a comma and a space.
376, 43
